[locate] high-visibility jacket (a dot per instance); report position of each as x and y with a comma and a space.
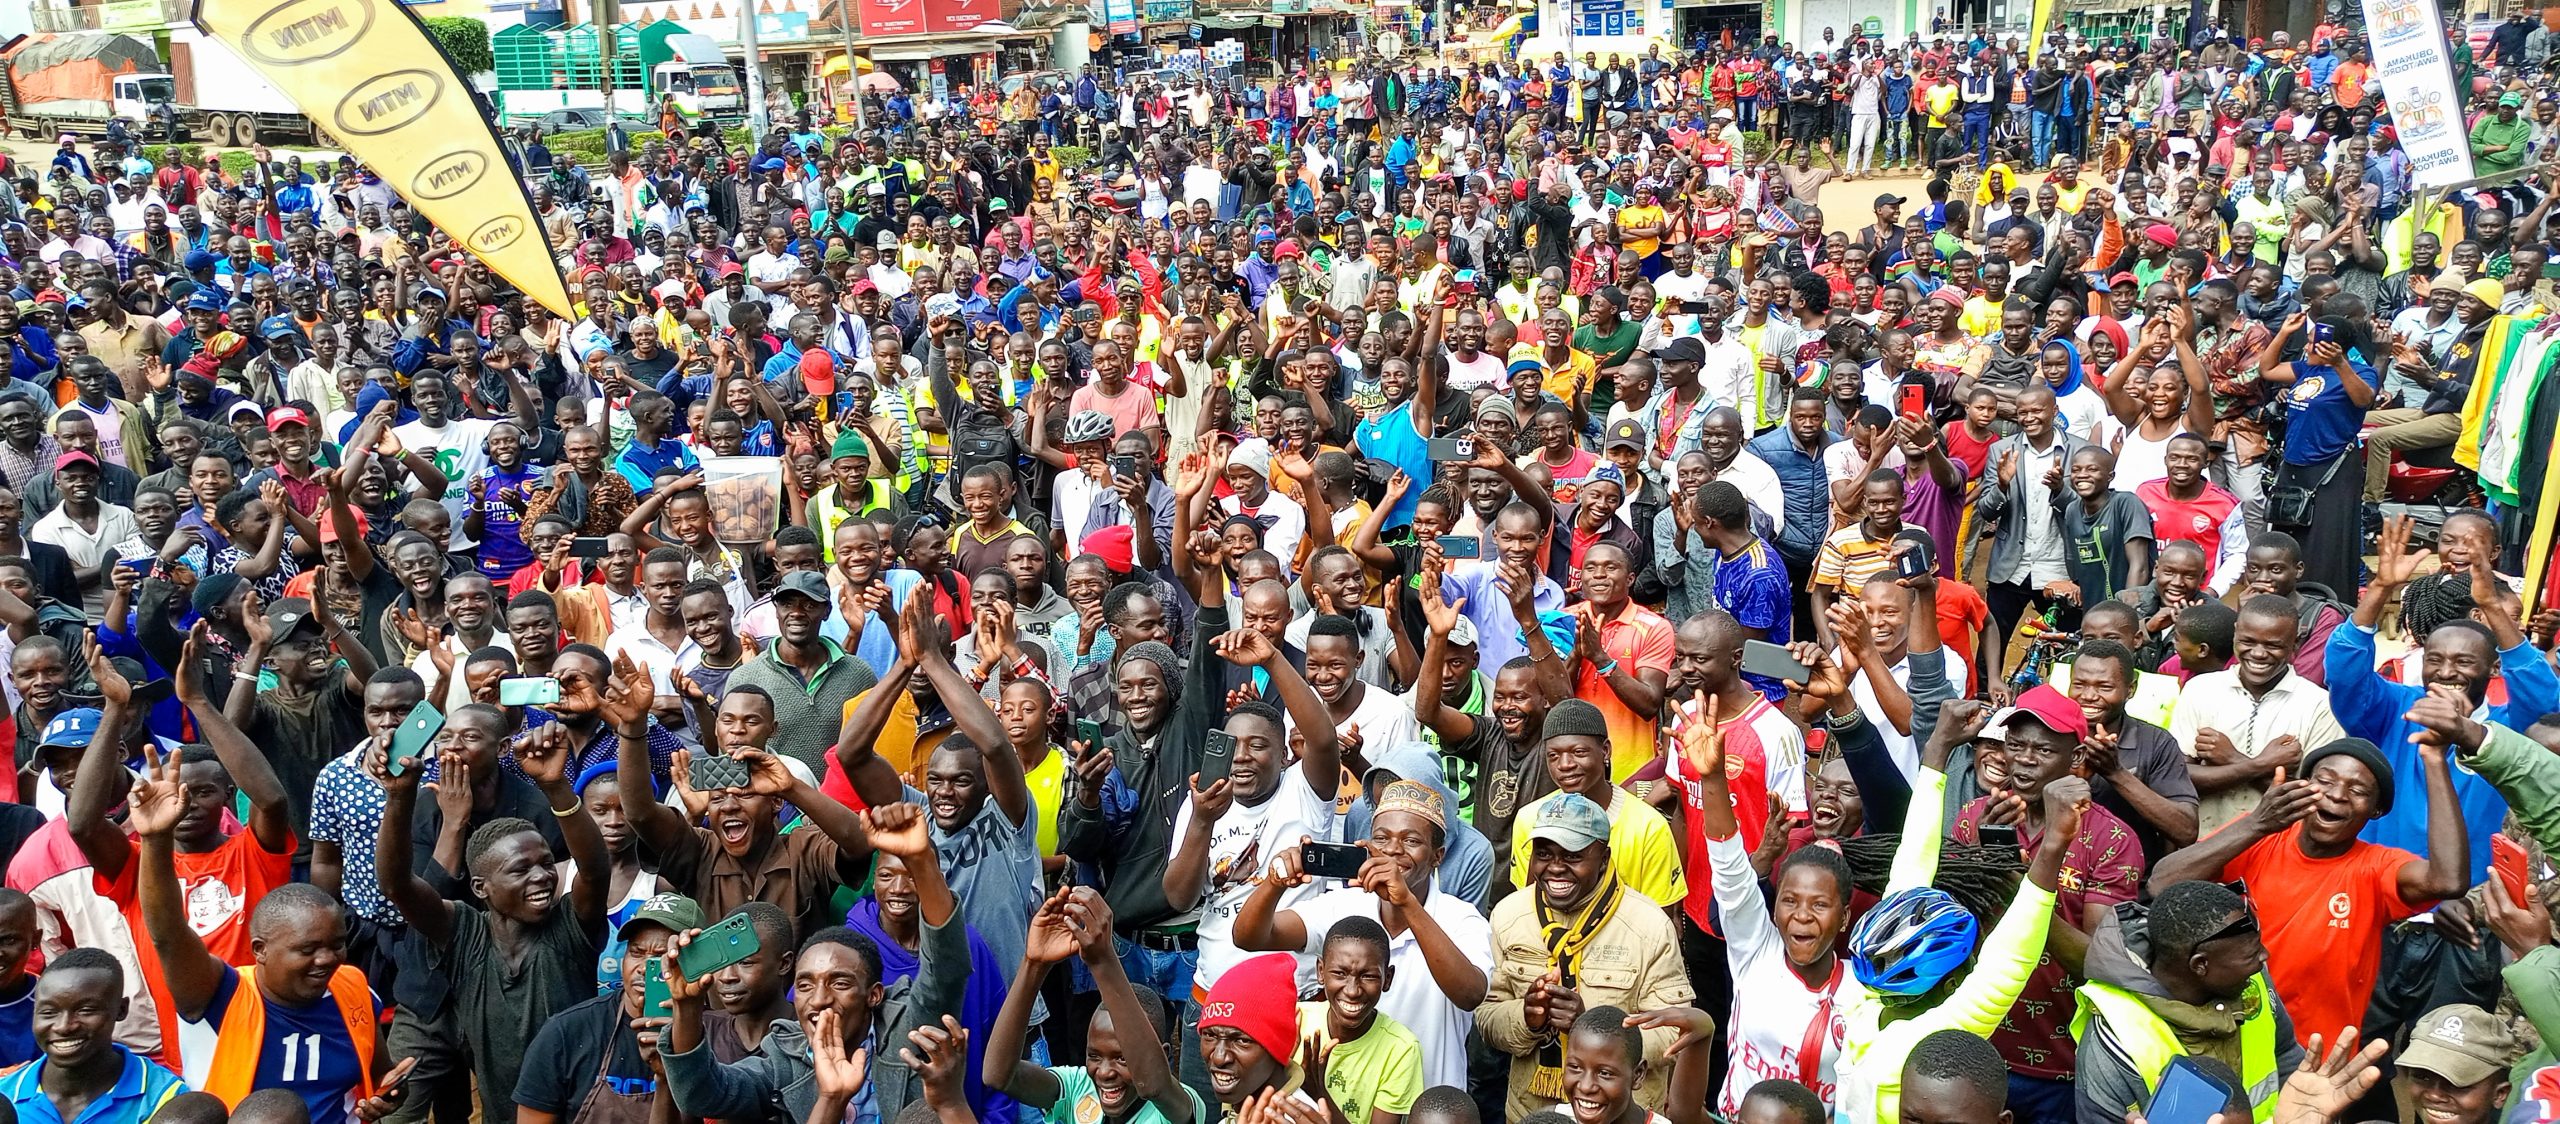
2149, 1044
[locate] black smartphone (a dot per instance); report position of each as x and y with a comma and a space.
1451, 448
1331, 860
1124, 468
1461, 546
1920, 559
1217, 756
1773, 661
588, 546
1999, 835
712, 772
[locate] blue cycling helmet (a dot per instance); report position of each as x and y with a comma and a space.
1910, 941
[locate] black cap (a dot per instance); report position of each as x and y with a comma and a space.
290, 613
1889, 199
1684, 349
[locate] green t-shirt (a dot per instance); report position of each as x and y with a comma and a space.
2512, 134
1079, 1104
1378, 1070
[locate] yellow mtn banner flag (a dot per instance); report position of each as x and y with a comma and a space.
367, 73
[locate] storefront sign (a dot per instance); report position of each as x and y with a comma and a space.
2408, 55
917, 17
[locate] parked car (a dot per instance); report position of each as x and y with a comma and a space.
561, 120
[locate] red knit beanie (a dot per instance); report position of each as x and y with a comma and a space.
1260, 998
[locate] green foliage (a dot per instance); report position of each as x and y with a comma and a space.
1072, 157
465, 41
235, 161
1755, 145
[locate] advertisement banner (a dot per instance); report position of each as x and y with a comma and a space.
2407, 40
367, 72
957, 15
1120, 16
890, 17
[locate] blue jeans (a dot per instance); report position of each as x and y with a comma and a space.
2040, 126
1169, 973
1977, 135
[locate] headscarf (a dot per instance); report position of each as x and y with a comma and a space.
2071, 378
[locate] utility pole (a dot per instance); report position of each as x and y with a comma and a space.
607, 13
758, 119
845, 9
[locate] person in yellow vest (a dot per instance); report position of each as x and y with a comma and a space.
853, 491
2204, 991
300, 1018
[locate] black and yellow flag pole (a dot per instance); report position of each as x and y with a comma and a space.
368, 73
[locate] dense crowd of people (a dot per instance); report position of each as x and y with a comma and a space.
1402, 591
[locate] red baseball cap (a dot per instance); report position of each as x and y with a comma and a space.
2044, 705
329, 527
72, 457
287, 415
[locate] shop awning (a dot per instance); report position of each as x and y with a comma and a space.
919, 48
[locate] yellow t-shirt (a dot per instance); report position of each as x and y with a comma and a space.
1048, 783
1641, 214
1982, 316
1641, 849
1942, 103
1381, 1069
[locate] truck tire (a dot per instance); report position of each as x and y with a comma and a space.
217, 130
244, 130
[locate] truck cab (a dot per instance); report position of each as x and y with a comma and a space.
135, 95
703, 88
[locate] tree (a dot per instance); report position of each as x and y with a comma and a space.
465, 41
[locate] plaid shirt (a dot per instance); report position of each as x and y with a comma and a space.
128, 261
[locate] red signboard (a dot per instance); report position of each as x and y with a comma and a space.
957, 15
912, 17
891, 17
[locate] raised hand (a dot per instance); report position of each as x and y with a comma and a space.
2397, 566
112, 685
1090, 916
2444, 720
1437, 610
2286, 803
2323, 1087
543, 754
766, 774
1246, 647
626, 698
899, 829
392, 1090
1053, 937
945, 1057
1702, 741
158, 800
452, 786
253, 619
1830, 682
839, 1075
1696, 1027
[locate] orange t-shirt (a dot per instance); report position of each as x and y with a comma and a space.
1640, 640
1962, 615
2322, 921
219, 888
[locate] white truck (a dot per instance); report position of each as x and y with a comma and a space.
76, 82
689, 65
